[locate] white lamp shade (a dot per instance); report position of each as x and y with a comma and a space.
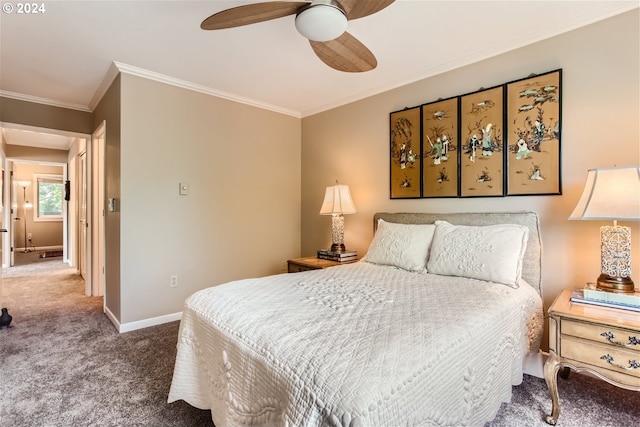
337, 200
610, 194
321, 22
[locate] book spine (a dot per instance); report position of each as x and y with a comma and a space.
337, 255
603, 304
340, 259
612, 298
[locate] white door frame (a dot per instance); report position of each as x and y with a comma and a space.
95, 213
81, 223
8, 186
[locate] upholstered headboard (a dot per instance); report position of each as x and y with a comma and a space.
532, 264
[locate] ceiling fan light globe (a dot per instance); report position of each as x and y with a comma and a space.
321, 22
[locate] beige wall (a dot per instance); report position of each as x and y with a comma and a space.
242, 215
241, 218
44, 233
35, 154
109, 110
44, 116
601, 109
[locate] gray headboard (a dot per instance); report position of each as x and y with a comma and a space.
532, 265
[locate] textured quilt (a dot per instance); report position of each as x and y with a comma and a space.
354, 345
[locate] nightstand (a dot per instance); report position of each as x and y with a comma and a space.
604, 342
309, 263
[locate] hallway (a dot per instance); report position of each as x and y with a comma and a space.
35, 256
46, 289
64, 363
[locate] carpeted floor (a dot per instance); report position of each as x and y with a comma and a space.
62, 363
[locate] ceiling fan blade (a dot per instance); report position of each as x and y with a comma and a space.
251, 14
355, 9
346, 53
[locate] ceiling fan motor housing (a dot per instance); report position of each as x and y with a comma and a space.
321, 22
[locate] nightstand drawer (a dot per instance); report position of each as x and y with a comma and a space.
601, 333
609, 357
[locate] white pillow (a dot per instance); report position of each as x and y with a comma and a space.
404, 246
493, 252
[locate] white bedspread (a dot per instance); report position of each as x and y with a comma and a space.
355, 345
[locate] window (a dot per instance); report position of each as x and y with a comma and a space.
49, 197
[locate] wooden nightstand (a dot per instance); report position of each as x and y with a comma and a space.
309, 263
602, 341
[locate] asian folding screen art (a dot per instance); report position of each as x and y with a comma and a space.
500, 141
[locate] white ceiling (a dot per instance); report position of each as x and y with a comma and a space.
65, 55
25, 136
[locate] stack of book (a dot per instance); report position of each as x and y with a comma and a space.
626, 301
345, 256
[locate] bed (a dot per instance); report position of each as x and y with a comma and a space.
431, 327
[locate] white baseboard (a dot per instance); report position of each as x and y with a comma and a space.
111, 317
40, 248
145, 323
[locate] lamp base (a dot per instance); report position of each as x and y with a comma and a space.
615, 284
338, 247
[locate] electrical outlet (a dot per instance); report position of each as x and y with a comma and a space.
284, 267
29, 236
174, 281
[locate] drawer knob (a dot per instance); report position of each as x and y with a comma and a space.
633, 364
610, 337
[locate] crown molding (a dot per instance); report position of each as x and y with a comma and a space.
119, 67
151, 75
108, 78
45, 101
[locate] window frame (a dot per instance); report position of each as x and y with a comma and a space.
36, 205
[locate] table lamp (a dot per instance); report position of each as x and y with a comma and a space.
337, 202
612, 194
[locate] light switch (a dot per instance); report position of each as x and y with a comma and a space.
184, 189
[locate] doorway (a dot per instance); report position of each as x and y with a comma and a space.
39, 214
27, 147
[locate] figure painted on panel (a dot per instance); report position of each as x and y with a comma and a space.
484, 177
438, 147
442, 175
411, 157
523, 149
473, 144
536, 175
403, 156
538, 134
445, 147
487, 146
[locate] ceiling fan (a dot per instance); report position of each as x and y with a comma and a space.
323, 22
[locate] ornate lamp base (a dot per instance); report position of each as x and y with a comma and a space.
615, 284
338, 247
337, 233
615, 259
